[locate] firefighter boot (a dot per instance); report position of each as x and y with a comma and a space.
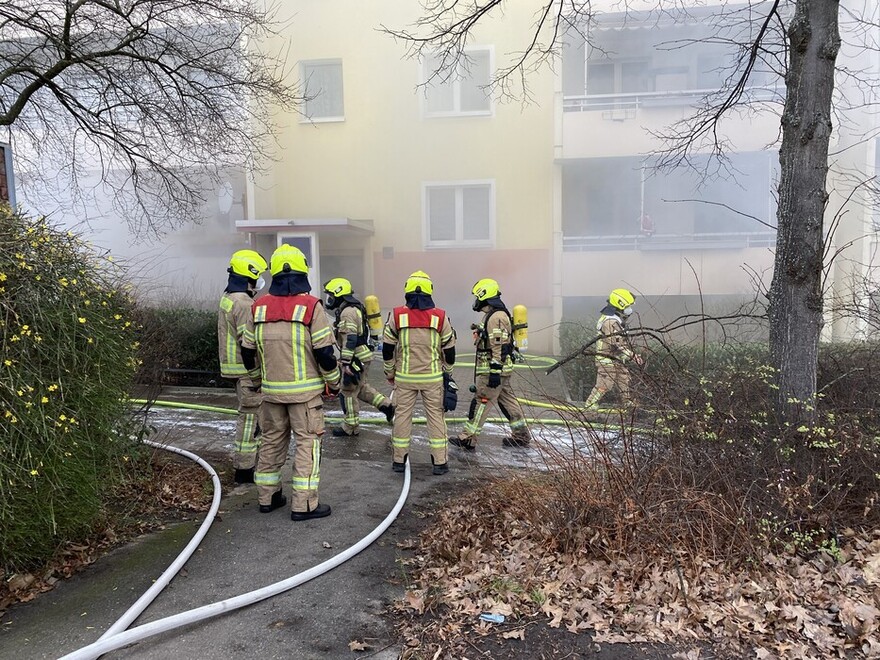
244, 476
399, 467
515, 442
278, 500
465, 443
339, 432
320, 511
388, 409
441, 468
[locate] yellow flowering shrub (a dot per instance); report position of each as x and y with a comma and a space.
67, 365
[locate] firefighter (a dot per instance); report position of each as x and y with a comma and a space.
613, 350
493, 369
297, 359
355, 354
418, 350
235, 322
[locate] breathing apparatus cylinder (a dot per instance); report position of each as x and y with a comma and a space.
374, 316
521, 327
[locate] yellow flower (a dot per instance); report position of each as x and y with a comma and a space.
117, 316
63, 281
90, 341
8, 363
25, 327
34, 473
2, 277
53, 387
62, 417
45, 399
82, 319
20, 392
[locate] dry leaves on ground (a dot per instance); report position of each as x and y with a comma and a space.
780, 607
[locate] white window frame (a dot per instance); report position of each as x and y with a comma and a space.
302, 76
459, 240
314, 261
455, 80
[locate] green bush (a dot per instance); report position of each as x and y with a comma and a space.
67, 364
176, 338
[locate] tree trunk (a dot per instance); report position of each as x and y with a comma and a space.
795, 292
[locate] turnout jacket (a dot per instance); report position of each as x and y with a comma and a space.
419, 338
289, 335
613, 344
235, 326
493, 340
352, 334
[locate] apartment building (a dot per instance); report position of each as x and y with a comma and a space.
389, 168
387, 171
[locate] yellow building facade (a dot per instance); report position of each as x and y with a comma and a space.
387, 171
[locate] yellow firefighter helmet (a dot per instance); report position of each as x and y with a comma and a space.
288, 258
247, 263
621, 299
419, 282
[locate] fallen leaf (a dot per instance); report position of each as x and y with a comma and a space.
355, 645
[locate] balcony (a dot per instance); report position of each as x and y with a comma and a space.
705, 241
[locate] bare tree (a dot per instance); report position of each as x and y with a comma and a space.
156, 96
801, 45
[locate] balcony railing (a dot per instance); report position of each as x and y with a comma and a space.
705, 241
636, 100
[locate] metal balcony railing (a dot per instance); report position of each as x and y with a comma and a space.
702, 241
636, 100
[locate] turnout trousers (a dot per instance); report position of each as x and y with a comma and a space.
351, 394
608, 376
305, 422
501, 396
247, 424
405, 396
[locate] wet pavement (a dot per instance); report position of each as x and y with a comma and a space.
245, 550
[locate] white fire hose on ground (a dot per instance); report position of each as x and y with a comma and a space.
117, 636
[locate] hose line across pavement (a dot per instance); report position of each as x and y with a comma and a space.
118, 636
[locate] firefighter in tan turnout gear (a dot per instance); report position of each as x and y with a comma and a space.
355, 354
418, 350
235, 322
613, 350
296, 349
493, 369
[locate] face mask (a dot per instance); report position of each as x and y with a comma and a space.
331, 301
627, 311
261, 282
478, 305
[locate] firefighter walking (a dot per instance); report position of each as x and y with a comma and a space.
418, 351
296, 349
613, 350
493, 370
235, 322
355, 355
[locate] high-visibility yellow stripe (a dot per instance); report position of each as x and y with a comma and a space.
260, 314
400, 443
226, 304
320, 334
232, 369
419, 378
289, 387
267, 478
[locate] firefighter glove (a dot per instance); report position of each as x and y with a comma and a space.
450, 393
352, 372
494, 379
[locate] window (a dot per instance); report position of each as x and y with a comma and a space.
322, 87
621, 199
673, 57
460, 92
459, 214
